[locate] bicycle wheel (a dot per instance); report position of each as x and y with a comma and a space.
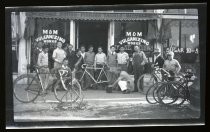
69, 94
169, 93
26, 88
150, 79
150, 96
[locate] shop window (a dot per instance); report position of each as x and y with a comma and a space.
133, 33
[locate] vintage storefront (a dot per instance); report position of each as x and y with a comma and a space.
149, 29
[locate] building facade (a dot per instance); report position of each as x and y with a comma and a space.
174, 29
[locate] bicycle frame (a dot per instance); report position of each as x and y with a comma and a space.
95, 80
39, 78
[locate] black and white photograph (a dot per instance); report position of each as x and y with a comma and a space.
112, 64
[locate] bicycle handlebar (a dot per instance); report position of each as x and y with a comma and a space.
39, 67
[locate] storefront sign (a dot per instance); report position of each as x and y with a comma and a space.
133, 38
182, 50
50, 36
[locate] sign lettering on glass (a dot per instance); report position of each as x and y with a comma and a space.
50, 36
133, 38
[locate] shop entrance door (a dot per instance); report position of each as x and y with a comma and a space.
93, 33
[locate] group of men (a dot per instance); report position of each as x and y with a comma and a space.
67, 58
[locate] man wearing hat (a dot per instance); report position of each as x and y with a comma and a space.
159, 61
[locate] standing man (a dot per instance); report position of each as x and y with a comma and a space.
159, 61
78, 61
58, 55
82, 48
122, 59
171, 64
89, 61
139, 60
112, 64
36, 52
70, 55
44, 70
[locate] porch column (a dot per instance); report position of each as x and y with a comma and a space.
72, 33
111, 34
22, 63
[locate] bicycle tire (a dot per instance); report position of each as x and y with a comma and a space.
71, 94
154, 95
142, 76
176, 94
18, 85
151, 90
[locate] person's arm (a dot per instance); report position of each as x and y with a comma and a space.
39, 61
77, 63
54, 55
85, 57
65, 54
156, 61
145, 58
178, 67
34, 57
105, 61
95, 61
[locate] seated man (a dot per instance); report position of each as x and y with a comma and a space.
125, 82
65, 73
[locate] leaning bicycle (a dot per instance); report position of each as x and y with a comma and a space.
28, 87
99, 79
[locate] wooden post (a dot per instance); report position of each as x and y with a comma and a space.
111, 32
72, 33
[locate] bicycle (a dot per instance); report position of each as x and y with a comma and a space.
96, 81
27, 87
178, 91
159, 80
155, 76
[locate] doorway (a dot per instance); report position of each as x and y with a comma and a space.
93, 33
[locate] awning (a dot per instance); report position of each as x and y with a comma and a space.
108, 16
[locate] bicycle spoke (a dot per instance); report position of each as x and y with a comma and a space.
64, 95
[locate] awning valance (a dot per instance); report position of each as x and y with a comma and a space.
109, 16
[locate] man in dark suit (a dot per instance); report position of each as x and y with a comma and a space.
70, 56
36, 51
159, 61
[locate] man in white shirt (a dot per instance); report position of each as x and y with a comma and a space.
122, 59
171, 64
58, 55
43, 62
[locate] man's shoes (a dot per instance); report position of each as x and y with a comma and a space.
126, 92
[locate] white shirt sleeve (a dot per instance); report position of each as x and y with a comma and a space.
39, 61
54, 53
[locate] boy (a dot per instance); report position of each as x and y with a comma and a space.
43, 62
36, 52
100, 61
78, 61
65, 73
122, 59
112, 64
89, 61
139, 60
58, 55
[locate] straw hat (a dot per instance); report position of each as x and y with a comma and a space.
156, 50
